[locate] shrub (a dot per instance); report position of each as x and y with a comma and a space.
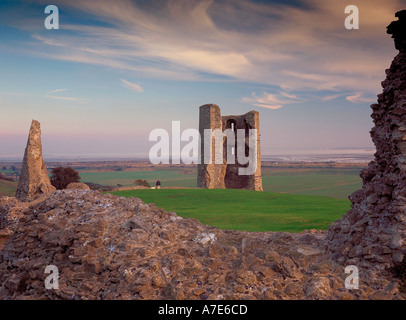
140, 182
99, 187
3, 177
61, 177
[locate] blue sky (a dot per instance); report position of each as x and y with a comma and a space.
116, 70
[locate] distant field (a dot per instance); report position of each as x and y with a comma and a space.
310, 179
169, 177
323, 181
7, 188
247, 210
331, 182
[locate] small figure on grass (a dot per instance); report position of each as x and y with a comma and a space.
158, 184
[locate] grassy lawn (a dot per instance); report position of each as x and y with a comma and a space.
247, 210
318, 181
337, 186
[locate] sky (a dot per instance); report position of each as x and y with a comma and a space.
116, 70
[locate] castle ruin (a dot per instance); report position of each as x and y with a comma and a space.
225, 174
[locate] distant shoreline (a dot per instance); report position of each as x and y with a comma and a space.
342, 155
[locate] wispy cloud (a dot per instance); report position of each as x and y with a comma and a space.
272, 101
51, 95
132, 86
56, 91
331, 97
275, 44
359, 98
61, 98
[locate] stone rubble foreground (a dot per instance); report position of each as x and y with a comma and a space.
109, 247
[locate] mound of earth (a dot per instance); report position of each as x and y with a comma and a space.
109, 247
77, 186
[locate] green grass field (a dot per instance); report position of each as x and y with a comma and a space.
337, 186
330, 182
247, 210
317, 181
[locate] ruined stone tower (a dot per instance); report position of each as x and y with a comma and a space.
220, 173
34, 180
373, 232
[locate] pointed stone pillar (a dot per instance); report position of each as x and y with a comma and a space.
34, 180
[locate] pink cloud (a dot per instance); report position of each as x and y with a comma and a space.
359, 98
132, 86
272, 101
